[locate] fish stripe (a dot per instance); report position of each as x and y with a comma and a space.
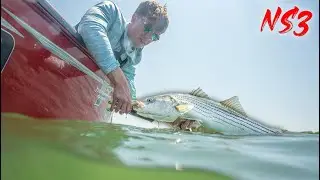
203, 104
242, 119
222, 117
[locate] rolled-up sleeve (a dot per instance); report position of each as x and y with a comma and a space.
93, 30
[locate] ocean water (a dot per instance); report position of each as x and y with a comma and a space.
33, 149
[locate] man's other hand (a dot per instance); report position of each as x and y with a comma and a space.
138, 104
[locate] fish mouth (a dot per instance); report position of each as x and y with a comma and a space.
156, 117
134, 113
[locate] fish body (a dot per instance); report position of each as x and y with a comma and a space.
226, 117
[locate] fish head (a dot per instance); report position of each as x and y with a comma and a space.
163, 108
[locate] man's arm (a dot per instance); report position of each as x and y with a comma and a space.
93, 29
129, 72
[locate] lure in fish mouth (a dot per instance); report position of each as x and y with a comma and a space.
227, 117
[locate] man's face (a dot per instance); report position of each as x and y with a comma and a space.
142, 32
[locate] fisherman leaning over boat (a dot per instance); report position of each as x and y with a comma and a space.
116, 45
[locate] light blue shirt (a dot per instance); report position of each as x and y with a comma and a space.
103, 29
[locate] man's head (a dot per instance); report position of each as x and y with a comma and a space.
149, 21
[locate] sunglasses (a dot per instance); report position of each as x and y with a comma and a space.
148, 29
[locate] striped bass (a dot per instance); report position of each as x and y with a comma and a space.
226, 117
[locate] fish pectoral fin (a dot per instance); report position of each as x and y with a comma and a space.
184, 108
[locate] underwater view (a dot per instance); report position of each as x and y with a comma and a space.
68, 149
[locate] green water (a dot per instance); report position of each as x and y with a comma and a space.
57, 150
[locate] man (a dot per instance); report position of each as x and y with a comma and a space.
116, 45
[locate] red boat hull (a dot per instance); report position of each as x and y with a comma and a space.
35, 81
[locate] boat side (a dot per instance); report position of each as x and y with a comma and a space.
46, 72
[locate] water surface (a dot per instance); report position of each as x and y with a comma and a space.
37, 149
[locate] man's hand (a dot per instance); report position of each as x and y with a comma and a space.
185, 124
121, 94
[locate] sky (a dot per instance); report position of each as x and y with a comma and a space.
218, 46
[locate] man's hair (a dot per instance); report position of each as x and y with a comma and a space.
155, 13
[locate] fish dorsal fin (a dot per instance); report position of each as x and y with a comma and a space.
199, 93
234, 104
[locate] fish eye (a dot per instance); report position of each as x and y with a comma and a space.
150, 100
